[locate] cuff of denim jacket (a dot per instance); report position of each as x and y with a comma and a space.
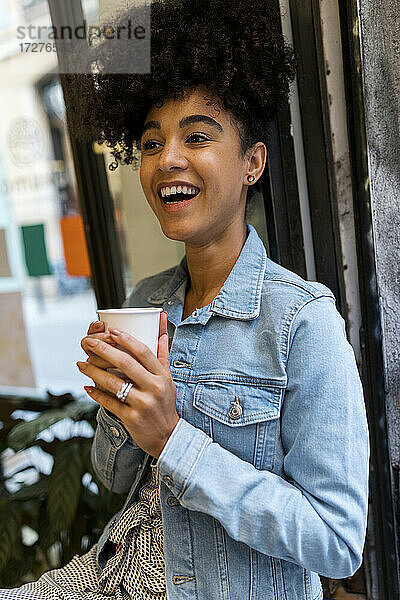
180, 455
110, 423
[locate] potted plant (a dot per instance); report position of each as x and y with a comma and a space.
48, 517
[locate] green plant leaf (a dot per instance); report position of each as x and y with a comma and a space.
25, 433
10, 516
57, 506
65, 485
47, 536
33, 491
82, 409
17, 569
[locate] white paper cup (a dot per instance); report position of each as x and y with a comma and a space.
141, 323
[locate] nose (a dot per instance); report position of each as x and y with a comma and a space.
171, 156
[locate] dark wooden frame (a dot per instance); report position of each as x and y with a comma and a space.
386, 555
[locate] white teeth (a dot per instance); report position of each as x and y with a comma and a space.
167, 191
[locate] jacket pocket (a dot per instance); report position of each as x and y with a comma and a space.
241, 416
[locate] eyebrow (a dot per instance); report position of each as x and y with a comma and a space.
186, 121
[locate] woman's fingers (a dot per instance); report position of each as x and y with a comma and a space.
99, 362
96, 327
163, 348
137, 362
109, 402
138, 350
105, 337
104, 381
163, 324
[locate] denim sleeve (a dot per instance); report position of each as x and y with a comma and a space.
316, 516
115, 456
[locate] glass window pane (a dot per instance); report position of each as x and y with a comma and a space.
145, 248
46, 297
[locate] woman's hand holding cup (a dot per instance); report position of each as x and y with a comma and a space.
148, 412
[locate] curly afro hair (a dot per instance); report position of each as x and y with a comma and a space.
234, 48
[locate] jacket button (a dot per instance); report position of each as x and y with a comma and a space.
180, 364
114, 431
172, 501
170, 302
235, 410
168, 479
178, 579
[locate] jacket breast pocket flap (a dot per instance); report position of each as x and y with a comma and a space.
237, 404
241, 417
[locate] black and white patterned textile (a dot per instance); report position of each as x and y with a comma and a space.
135, 572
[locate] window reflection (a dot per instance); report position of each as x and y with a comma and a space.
145, 248
46, 298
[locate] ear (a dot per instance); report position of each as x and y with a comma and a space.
257, 160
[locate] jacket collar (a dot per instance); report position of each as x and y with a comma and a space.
240, 296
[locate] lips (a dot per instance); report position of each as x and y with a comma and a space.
175, 184
177, 206
178, 197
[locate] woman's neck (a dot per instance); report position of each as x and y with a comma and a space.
210, 265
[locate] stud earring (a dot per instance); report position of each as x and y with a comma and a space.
250, 178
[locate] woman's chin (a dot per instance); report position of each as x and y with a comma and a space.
177, 233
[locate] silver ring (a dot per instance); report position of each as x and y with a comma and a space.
124, 390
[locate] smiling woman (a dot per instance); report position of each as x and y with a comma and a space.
243, 445
179, 137
245, 66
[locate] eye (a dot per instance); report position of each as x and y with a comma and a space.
147, 145
198, 135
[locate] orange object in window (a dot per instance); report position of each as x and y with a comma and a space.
75, 248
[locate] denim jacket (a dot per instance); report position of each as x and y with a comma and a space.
264, 480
